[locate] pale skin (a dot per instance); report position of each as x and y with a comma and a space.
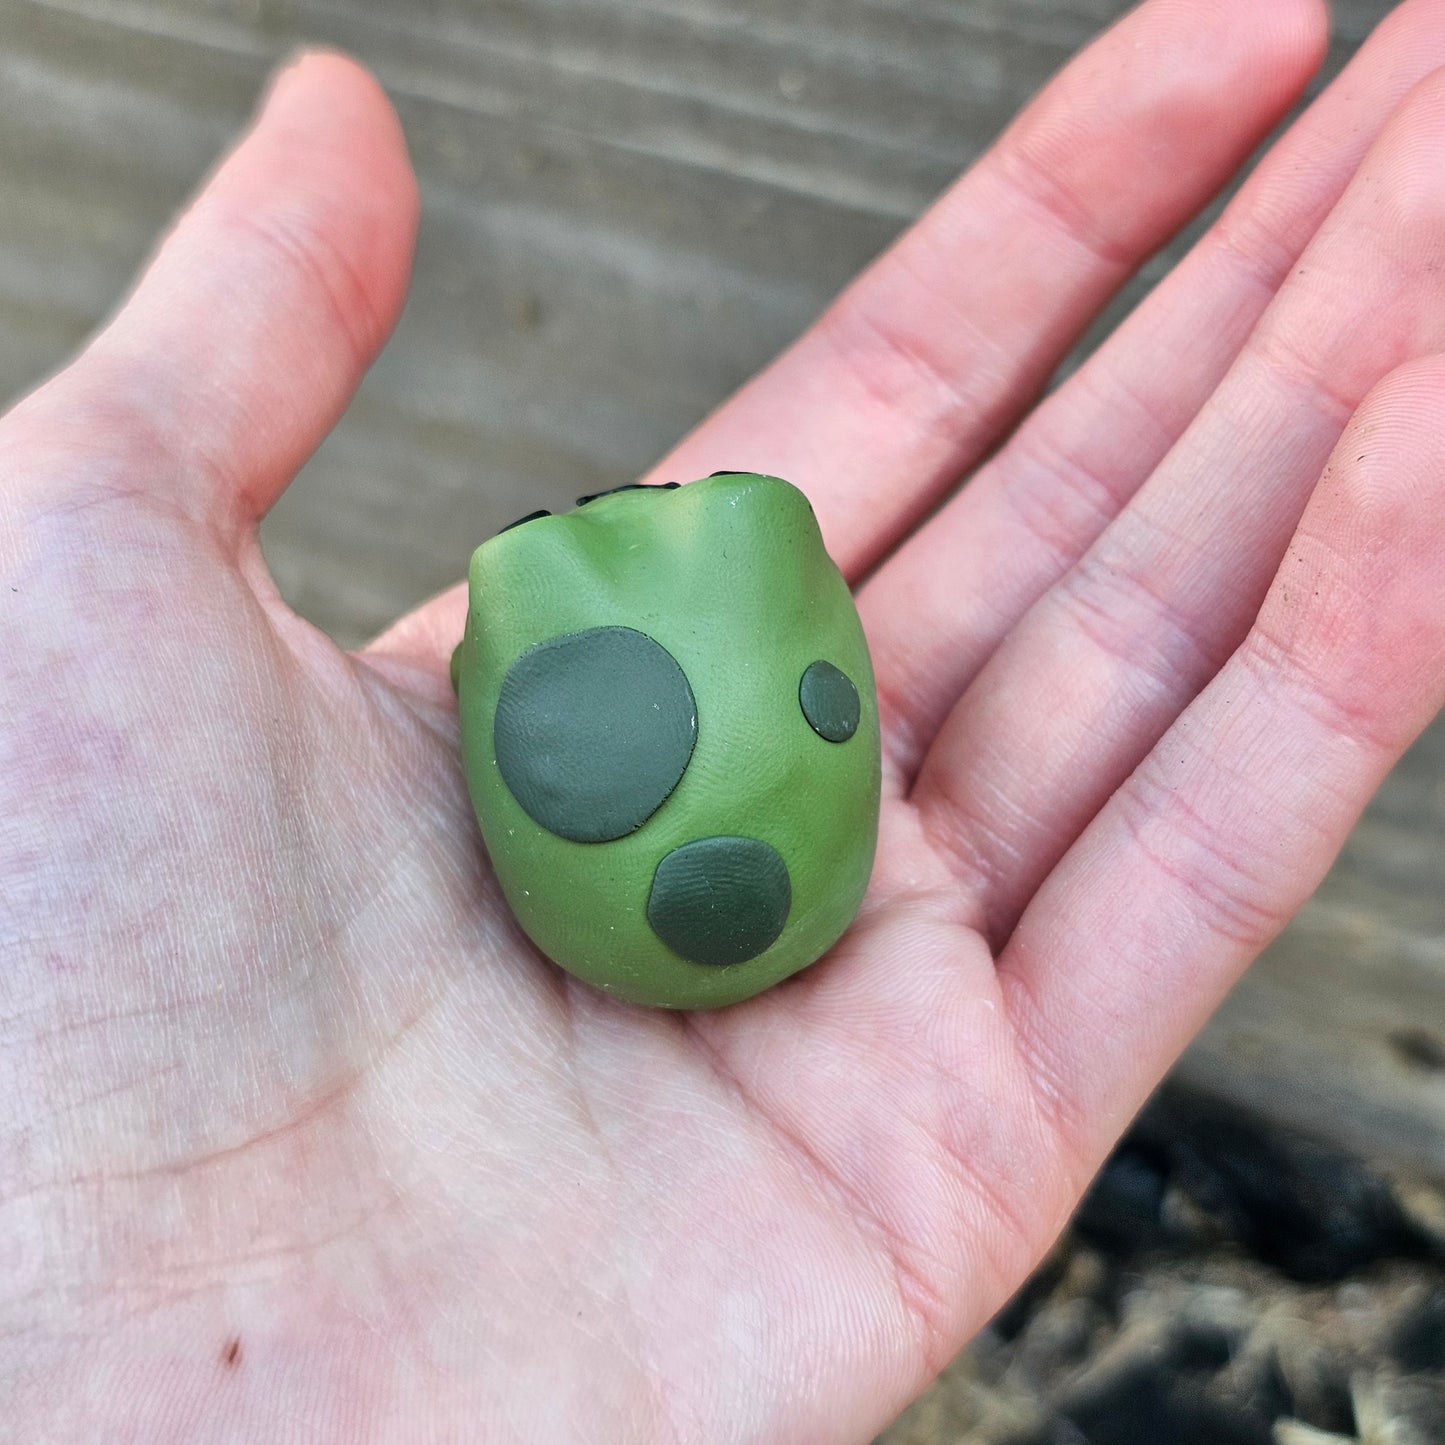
300, 1139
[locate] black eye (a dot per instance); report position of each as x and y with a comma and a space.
630, 487
522, 521
829, 701
593, 731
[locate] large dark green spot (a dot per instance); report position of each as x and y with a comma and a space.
720, 900
829, 701
593, 731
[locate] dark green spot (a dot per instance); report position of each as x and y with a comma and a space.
593, 731
829, 701
720, 900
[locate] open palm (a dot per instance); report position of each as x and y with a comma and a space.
301, 1140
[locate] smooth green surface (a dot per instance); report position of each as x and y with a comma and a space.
729, 574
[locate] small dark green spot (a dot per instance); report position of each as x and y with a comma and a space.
720, 900
829, 701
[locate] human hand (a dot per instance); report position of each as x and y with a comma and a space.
302, 1140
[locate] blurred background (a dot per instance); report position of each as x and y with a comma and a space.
628, 206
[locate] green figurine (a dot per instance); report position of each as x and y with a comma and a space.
670, 736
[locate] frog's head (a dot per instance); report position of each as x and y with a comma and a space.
670, 736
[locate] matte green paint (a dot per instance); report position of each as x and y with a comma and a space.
730, 576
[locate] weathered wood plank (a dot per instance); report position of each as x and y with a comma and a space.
628, 207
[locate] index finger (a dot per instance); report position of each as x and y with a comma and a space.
920, 365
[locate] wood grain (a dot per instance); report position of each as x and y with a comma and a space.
628, 207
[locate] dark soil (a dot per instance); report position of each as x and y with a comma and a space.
1222, 1284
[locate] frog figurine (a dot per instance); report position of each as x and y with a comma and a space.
670, 736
